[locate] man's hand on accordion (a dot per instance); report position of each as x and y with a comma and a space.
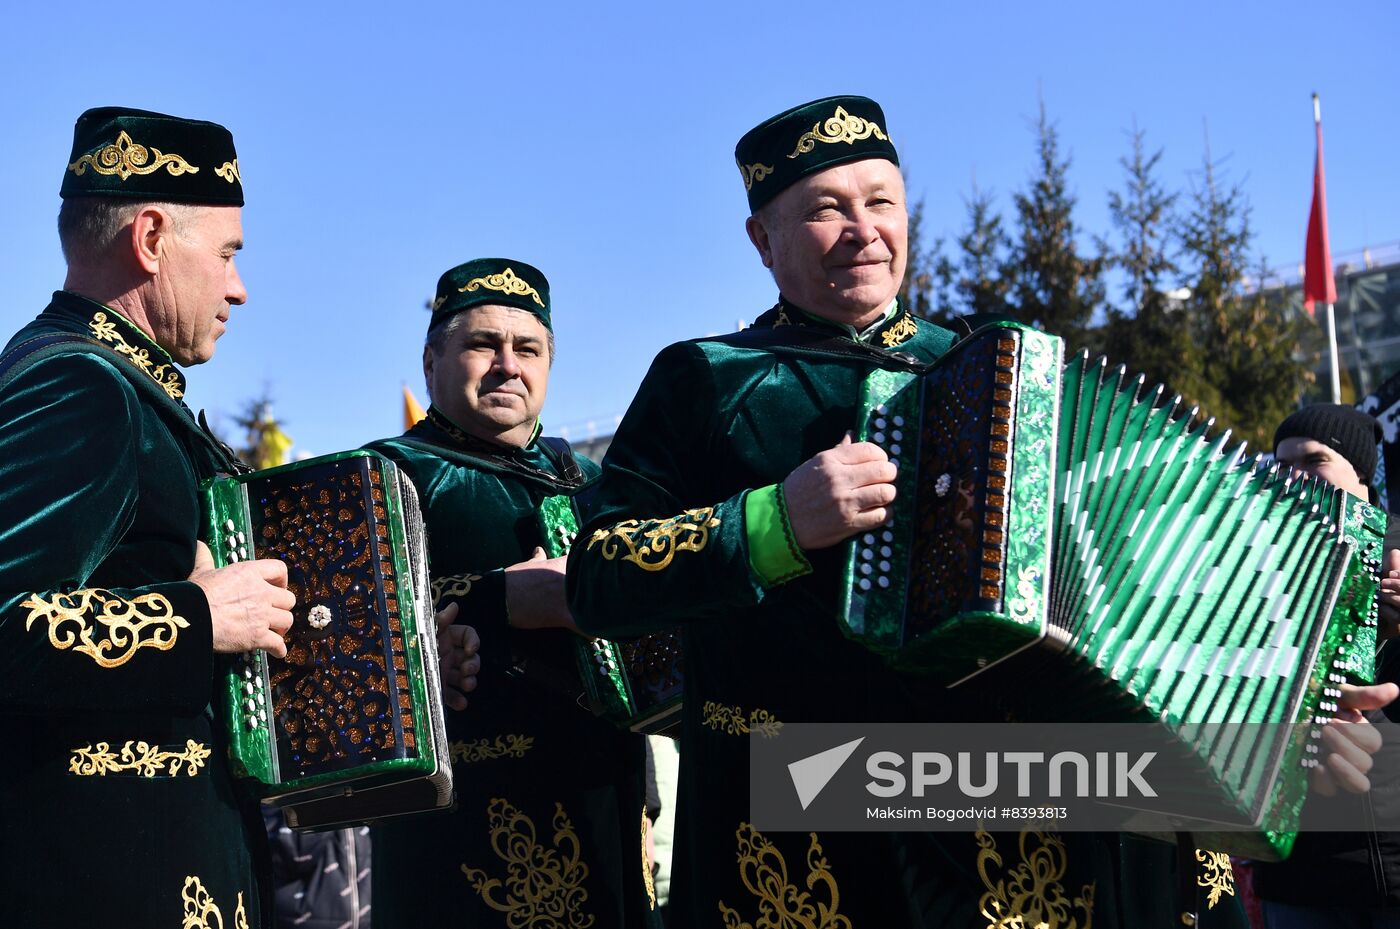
535, 594
838, 493
1351, 740
458, 660
249, 603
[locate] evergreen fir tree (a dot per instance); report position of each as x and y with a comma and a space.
927, 290
982, 286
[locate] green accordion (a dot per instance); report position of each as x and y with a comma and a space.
1061, 530
636, 684
347, 728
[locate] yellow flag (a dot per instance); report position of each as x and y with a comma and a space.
273, 445
412, 411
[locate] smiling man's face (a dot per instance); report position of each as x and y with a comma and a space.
837, 240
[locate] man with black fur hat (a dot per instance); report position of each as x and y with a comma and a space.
117, 806
549, 828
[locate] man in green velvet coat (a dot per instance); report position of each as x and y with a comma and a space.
116, 802
723, 498
549, 825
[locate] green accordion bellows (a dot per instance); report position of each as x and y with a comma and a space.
348, 727
1059, 528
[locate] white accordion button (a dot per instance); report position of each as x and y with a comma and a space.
883, 581
319, 617
867, 554
864, 583
899, 420
228, 524
887, 536
868, 538
894, 450
233, 557
896, 435
878, 438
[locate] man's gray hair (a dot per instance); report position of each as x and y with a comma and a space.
87, 226
438, 336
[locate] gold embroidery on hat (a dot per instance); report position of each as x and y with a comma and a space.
841, 127
105, 330
147, 621
141, 758
229, 171
437, 303
125, 158
201, 912
506, 282
754, 173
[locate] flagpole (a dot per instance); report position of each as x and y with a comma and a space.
1333, 355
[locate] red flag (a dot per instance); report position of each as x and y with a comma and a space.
1318, 284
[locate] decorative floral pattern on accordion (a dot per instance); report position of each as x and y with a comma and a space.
543, 888
201, 912
652, 543
511, 745
105, 330
147, 621
731, 719
1216, 874
1031, 893
781, 903
139, 758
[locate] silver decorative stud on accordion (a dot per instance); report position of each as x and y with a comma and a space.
1071, 548
348, 727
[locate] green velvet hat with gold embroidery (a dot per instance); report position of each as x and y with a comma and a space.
136, 154
497, 281
809, 138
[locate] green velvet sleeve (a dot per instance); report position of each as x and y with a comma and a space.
70, 430
657, 550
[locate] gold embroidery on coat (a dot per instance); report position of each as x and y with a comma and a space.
840, 127
899, 332
453, 585
754, 173
651, 543
781, 904
543, 885
782, 319
125, 158
1216, 874
507, 746
506, 282
148, 621
229, 171
201, 912
106, 331
647, 880
731, 719
139, 757
1030, 895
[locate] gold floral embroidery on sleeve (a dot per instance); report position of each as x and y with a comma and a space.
652, 543
900, 332
201, 912
781, 903
140, 758
125, 158
543, 888
1217, 874
507, 746
839, 127
453, 585
731, 719
1031, 893
506, 282
148, 621
105, 330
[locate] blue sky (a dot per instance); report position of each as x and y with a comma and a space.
381, 144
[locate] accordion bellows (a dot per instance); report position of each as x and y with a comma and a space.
1060, 529
348, 727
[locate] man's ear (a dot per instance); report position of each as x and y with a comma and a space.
758, 235
149, 227
428, 363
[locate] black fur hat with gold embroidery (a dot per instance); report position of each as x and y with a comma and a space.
498, 281
809, 138
121, 152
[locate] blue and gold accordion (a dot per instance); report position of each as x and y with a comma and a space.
347, 728
1069, 546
